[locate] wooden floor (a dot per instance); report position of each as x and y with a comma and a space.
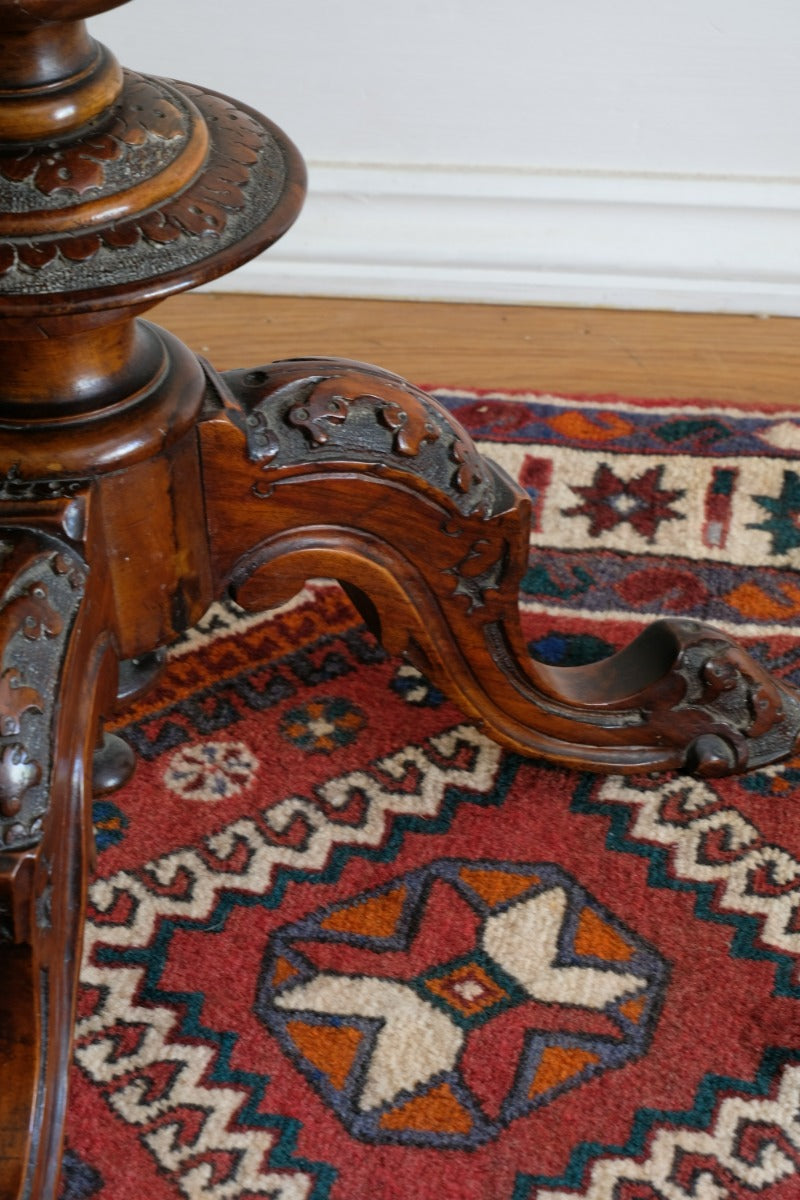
747, 360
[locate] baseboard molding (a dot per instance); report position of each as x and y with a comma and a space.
516, 237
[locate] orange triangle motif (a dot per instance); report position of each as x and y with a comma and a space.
377, 916
557, 1065
595, 937
633, 1009
496, 886
438, 1111
331, 1049
283, 971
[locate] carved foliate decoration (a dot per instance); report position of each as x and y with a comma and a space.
43, 591
748, 717
174, 177
472, 469
147, 129
479, 570
402, 410
305, 411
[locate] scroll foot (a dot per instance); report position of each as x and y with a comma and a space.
325, 467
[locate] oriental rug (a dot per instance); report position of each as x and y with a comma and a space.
341, 946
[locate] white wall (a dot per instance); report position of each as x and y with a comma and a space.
628, 152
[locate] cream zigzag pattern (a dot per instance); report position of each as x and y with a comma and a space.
99, 1053
737, 1116
743, 1141
740, 837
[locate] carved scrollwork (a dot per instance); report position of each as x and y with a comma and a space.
354, 413
42, 591
748, 717
410, 424
262, 442
401, 409
317, 412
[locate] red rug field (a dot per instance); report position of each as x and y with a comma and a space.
341, 946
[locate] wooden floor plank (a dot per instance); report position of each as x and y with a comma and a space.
747, 360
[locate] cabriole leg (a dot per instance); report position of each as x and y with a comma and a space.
326, 467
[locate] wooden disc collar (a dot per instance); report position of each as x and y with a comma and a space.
117, 189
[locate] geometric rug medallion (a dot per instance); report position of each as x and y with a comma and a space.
389, 1021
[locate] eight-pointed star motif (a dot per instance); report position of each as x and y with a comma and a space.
640, 502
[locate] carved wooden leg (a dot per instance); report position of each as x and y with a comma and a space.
57, 674
326, 467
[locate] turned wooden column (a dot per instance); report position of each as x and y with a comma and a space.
115, 190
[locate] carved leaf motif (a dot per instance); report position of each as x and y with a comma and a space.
81, 166
411, 426
121, 237
731, 670
320, 409
720, 675
472, 469
74, 168
198, 216
35, 616
30, 612
16, 699
36, 255
155, 226
18, 772
79, 249
397, 408
146, 115
766, 712
264, 444
479, 571
17, 170
71, 570
237, 127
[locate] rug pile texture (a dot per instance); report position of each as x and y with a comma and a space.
341, 946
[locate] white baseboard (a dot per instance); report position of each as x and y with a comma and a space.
516, 237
